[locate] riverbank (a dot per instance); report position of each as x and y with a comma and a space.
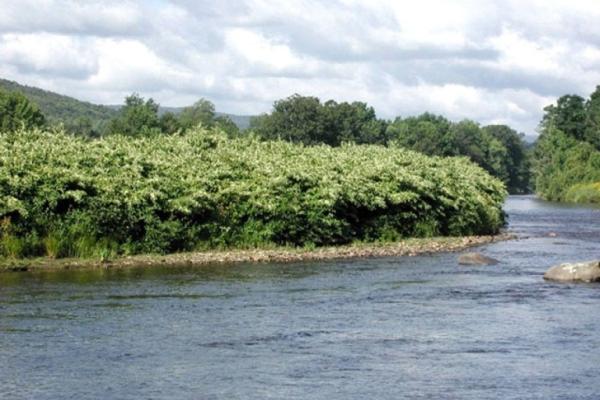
407, 247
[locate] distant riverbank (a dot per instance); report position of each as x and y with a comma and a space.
407, 247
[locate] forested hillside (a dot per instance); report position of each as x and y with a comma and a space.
74, 114
87, 119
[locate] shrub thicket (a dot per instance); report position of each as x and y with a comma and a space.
67, 196
567, 153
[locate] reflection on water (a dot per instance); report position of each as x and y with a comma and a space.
391, 328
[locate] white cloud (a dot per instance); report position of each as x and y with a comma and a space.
492, 61
102, 18
55, 55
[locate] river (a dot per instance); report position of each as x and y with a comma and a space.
394, 328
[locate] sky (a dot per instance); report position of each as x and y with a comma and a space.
490, 61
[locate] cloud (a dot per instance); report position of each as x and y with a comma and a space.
49, 54
492, 61
101, 18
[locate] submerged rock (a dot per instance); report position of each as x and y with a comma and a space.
476, 259
587, 271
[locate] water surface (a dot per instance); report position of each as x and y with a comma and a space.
393, 328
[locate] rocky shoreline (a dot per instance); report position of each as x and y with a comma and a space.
407, 247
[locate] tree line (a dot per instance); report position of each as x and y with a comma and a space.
498, 149
140, 117
567, 153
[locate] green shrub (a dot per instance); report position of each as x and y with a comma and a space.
584, 193
564, 167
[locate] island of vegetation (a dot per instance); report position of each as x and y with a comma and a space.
137, 179
139, 190
67, 196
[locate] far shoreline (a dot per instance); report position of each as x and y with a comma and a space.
405, 247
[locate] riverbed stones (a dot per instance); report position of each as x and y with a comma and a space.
476, 259
587, 271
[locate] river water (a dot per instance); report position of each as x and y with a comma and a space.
394, 328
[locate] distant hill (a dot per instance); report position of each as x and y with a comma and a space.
60, 108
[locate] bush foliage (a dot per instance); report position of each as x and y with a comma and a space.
62, 195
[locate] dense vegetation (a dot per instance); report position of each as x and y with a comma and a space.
62, 195
567, 154
498, 149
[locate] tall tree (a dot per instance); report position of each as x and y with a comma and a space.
201, 112
568, 115
169, 123
426, 133
295, 119
351, 122
138, 117
516, 163
592, 122
16, 112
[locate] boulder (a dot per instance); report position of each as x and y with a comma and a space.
476, 259
587, 271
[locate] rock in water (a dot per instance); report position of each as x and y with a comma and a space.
587, 271
476, 259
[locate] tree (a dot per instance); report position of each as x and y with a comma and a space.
516, 162
295, 119
426, 133
138, 117
592, 121
82, 126
569, 116
305, 119
201, 112
16, 112
169, 123
465, 140
225, 123
351, 122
